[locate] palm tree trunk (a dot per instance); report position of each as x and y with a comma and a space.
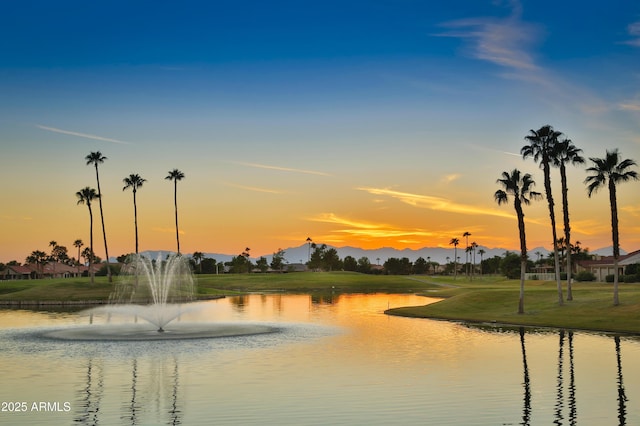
523, 252
135, 218
567, 227
104, 232
552, 215
175, 203
455, 264
90, 271
615, 237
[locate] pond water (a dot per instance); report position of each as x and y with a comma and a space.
334, 360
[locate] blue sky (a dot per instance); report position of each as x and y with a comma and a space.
298, 118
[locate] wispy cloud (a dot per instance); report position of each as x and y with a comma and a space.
450, 178
80, 135
633, 29
281, 169
502, 41
254, 188
436, 203
359, 229
629, 106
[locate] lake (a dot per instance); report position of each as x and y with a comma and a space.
335, 359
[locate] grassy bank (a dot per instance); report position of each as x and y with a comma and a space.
490, 299
72, 289
495, 300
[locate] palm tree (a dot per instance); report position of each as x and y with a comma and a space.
96, 158
37, 257
134, 181
197, 258
541, 148
53, 244
611, 171
455, 243
566, 153
309, 241
481, 252
474, 246
175, 175
78, 243
519, 187
466, 253
86, 196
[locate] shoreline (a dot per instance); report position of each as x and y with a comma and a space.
96, 302
496, 324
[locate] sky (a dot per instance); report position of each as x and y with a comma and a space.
370, 123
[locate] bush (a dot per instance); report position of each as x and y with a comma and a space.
563, 276
632, 278
609, 278
585, 276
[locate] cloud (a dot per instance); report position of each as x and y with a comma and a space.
254, 188
450, 178
629, 106
368, 229
80, 135
634, 31
436, 203
281, 169
502, 41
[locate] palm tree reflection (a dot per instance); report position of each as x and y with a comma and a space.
526, 410
622, 397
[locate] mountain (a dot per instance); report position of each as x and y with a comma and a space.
607, 251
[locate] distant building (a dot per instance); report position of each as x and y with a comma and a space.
601, 266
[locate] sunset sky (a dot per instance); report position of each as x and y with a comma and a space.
363, 123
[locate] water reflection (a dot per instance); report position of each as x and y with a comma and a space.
369, 369
622, 397
90, 395
559, 398
526, 410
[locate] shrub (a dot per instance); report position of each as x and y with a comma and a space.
632, 278
586, 276
609, 278
563, 276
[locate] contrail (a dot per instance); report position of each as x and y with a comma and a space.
80, 135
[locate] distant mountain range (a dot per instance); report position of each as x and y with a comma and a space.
379, 256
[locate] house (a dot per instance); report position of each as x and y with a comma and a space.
19, 272
601, 266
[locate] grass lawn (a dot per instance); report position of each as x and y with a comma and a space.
495, 300
486, 299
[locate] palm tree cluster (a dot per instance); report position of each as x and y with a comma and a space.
134, 181
550, 148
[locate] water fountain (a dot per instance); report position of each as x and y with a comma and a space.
159, 292
154, 289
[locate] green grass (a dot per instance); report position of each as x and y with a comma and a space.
486, 299
496, 301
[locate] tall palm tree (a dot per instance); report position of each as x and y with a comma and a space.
78, 243
175, 175
96, 158
541, 148
86, 196
134, 181
566, 153
518, 187
610, 171
481, 252
455, 243
466, 253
